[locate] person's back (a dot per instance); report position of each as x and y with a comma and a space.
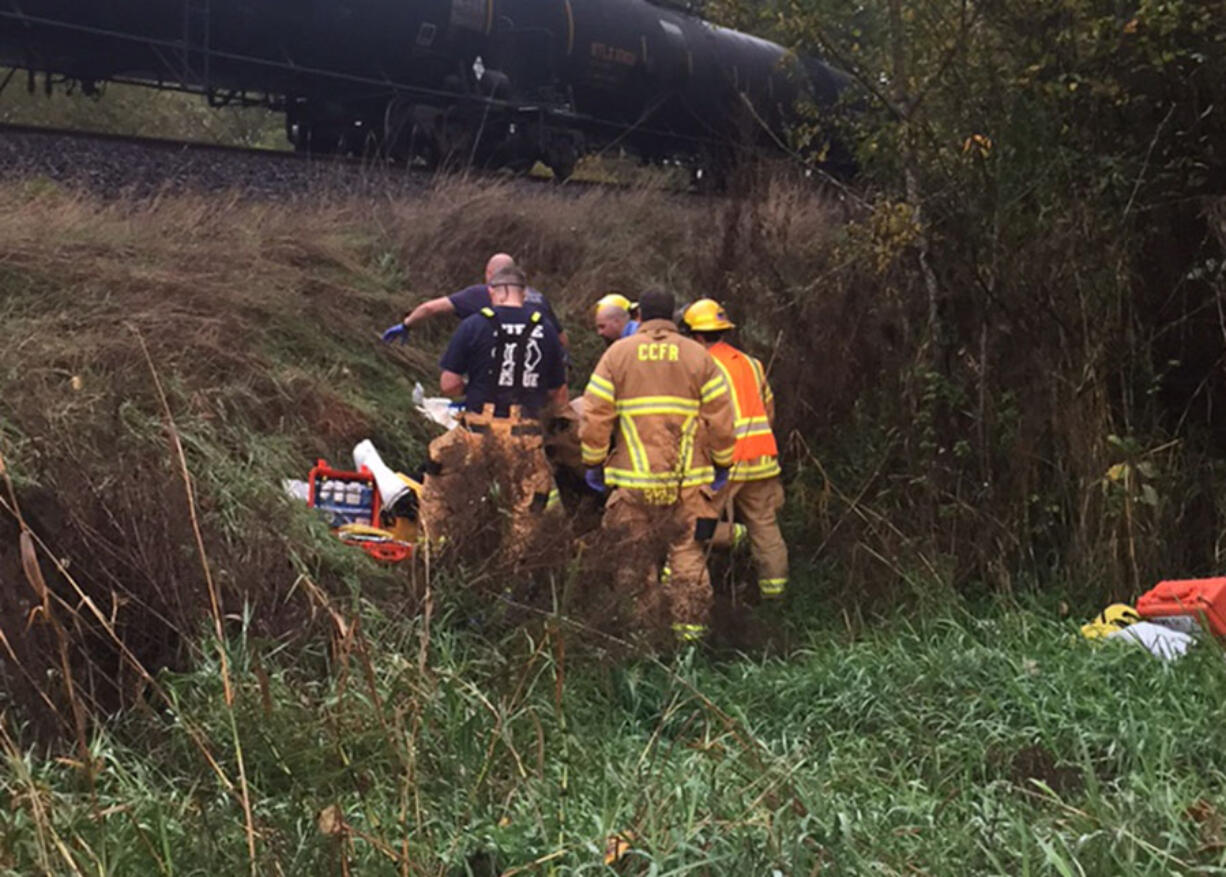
508, 363
473, 299
757, 451
661, 380
671, 408
511, 357
755, 492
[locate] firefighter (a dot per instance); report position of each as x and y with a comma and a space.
672, 409
507, 363
755, 490
614, 317
471, 300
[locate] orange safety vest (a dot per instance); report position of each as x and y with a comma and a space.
756, 454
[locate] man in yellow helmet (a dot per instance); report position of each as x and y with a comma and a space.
755, 491
670, 404
614, 317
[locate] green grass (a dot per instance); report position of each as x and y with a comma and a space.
994, 743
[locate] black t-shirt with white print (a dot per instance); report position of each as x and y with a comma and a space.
472, 299
511, 358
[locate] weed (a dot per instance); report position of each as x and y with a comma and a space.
331, 714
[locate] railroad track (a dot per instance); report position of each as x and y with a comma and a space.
9, 129
111, 163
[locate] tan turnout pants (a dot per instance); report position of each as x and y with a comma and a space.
756, 505
467, 462
687, 590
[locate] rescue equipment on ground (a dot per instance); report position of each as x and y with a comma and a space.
707, 315
1200, 599
1168, 619
370, 507
1158, 639
382, 545
392, 486
1114, 618
1120, 622
344, 497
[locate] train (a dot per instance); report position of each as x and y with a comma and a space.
492, 83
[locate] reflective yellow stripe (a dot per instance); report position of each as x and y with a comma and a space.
677, 406
680, 401
736, 403
627, 478
750, 426
638, 453
593, 455
688, 429
669, 410
751, 431
723, 458
758, 373
599, 393
600, 388
772, 587
689, 632
554, 499
714, 388
765, 467
601, 381
656, 478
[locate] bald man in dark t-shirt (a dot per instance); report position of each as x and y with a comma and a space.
471, 300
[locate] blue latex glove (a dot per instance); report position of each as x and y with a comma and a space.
594, 478
398, 332
721, 478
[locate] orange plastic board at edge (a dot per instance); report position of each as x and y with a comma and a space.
1187, 597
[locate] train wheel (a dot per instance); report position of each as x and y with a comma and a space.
561, 158
398, 131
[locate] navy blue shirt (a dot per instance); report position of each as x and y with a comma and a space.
472, 299
508, 359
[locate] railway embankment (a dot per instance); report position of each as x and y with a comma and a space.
197, 674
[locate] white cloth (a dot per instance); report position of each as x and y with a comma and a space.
296, 489
1159, 639
440, 409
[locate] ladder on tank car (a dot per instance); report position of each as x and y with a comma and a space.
197, 36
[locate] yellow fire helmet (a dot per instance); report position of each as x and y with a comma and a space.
1115, 617
707, 315
614, 300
